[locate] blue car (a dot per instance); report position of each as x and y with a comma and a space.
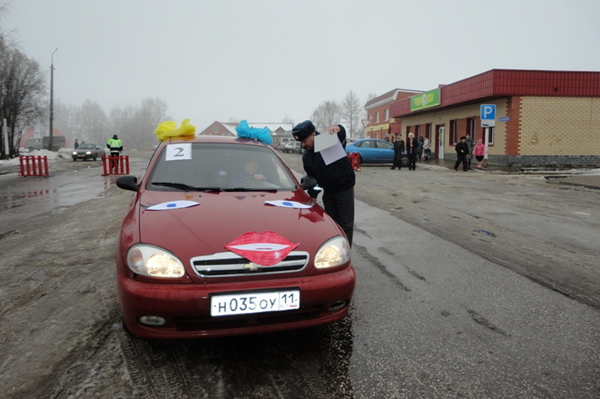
372, 150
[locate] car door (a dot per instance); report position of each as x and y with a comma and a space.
369, 151
385, 151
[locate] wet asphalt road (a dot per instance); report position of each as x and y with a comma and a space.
429, 320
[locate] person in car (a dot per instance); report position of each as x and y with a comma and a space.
337, 179
249, 172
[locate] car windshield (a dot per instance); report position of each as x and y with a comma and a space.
87, 146
218, 167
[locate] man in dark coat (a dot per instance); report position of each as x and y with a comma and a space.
462, 149
412, 150
337, 179
399, 149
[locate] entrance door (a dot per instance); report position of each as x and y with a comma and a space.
439, 139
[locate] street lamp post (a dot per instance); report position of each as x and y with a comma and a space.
51, 98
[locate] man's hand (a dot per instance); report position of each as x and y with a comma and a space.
335, 129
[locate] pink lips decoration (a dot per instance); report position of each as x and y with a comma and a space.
266, 249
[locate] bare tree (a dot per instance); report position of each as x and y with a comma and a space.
93, 123
22, 93
136, 126
327, 114
352, 113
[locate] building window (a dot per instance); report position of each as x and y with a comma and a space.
453, 132
428, 130
386, 115
376, 117
471, 128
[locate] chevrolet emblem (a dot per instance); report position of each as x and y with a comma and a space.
251, 267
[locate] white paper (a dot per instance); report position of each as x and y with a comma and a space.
333, 153
326, 140
165, 206
179, 152
289, 204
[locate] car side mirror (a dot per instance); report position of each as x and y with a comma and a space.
128, 183
308, 183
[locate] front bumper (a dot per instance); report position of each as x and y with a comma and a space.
325, 299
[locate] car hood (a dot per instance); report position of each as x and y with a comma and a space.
222, 217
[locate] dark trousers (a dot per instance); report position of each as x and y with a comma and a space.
340, 206
114, 163
397, 162
412, 161
461, 158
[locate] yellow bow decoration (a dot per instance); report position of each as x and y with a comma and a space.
169, 129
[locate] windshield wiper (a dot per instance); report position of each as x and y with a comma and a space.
184, 187
249, 189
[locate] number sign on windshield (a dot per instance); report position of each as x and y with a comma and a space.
179, 152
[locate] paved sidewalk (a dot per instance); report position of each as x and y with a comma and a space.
588, 181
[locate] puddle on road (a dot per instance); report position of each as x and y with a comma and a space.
35, 195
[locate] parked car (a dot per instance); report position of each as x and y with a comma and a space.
372, 150
292, 146
34, 143
87, 151
206, 252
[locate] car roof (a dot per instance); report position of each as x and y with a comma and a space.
211, 139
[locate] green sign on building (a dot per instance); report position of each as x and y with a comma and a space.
425, 100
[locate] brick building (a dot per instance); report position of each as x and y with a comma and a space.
378, 112
542, 117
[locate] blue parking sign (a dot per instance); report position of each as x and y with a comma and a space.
488, 112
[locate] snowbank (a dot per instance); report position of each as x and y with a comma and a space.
50, 154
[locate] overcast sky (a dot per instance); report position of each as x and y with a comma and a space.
264, 60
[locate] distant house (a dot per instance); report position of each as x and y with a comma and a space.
280, 132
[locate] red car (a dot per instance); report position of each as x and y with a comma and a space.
221, 239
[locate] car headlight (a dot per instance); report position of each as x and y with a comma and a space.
74, 152
152, 261
88, 153
334, 252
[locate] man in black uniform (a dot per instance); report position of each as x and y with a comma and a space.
398, 152
337, 179
462, 149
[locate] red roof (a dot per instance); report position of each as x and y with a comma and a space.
510, 82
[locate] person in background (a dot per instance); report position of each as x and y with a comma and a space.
76, 144
399, 149
412, 148
426, 149
115, 147
337, 179
420, 150
479, 152
462, 150
471, 146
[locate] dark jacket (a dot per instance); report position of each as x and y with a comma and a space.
399, 148
415, 146
335, 177
461, 148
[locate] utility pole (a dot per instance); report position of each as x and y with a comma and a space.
51, 98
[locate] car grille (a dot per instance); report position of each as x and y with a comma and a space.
228, 264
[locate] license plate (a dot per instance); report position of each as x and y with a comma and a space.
254, 302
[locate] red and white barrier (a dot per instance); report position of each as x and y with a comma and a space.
33, 165
118, 165
354, 160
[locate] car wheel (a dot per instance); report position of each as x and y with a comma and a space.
74, 159
94, 158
